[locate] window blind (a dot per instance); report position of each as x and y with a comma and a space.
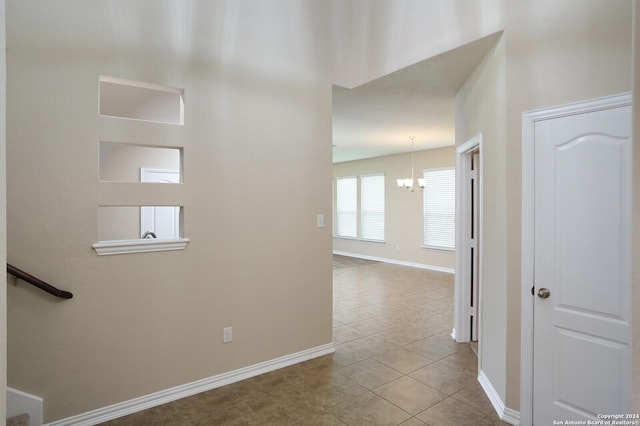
440, 208
347, 207
372, 207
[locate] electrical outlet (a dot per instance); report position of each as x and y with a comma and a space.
227, 334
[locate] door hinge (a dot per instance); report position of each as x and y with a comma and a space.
471, 311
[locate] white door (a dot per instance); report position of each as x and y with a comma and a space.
582, 270
159, 221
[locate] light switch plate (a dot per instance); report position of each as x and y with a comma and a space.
227, 334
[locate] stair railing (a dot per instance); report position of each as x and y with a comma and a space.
28, 278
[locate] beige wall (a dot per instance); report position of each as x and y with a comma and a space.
387, 35
257, 112
551, 53
3, 216
481, 108
403, 209
636, 206
556, 53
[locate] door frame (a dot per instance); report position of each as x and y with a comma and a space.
529, 120
147, 224
462, 290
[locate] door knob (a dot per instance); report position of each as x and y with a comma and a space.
544, 293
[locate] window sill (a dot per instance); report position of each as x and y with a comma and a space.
359, 240
105, 248
438, 248
339, 237
364, 240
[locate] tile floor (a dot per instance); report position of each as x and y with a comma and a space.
395, 364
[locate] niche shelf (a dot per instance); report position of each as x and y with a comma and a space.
105, 248
137, 100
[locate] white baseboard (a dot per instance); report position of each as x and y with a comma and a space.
168, 395
511, 416
396, 262
506, 414
19, 402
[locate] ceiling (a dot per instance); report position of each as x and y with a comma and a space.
377, 118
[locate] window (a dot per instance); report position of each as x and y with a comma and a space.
347, 207
440, 209
368, 213
372, 207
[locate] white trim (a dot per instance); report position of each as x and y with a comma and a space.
438, 248
148, 213
172, 394
506, 414
359, 240
338, 237
462, 290
19, 402
396, 262
369, 240
529, 120
104, 248
470, 145
527, 268
511, 416
174, 172
491, 393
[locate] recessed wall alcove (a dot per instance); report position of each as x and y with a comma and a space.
125, 227
137, 100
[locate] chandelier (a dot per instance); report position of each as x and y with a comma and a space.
408, 184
